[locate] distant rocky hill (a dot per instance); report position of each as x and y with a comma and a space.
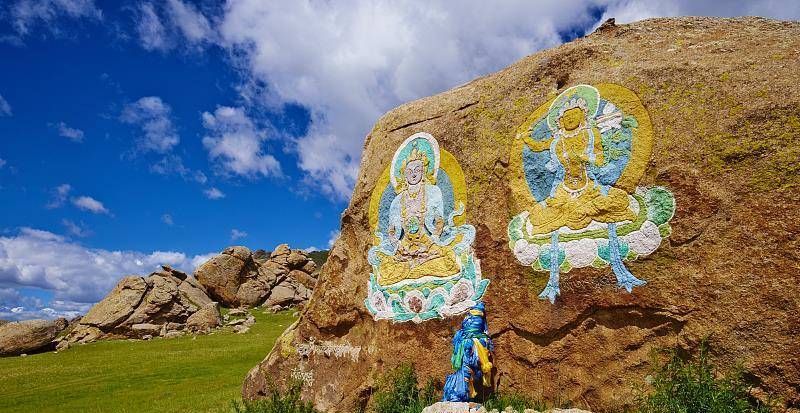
169, 303
664, 151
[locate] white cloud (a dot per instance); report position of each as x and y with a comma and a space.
235, 143
73, 134
25, 15
152, 33
348, 64
213, 193
236, 234
2, 163
78, 230
59, 196
167, 219
199, 260
5, 108
77, 276
332, 237
162, 26
152, 115
90, 204
192, 24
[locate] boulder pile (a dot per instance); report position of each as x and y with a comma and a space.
169, 303
239, 277
161, 304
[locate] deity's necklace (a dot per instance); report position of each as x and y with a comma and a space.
567, 163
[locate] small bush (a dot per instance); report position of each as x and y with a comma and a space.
691, 387
398, 392
275, 402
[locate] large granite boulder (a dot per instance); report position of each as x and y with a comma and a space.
721, 103
29, 336
157, 305
205, 319
239, 277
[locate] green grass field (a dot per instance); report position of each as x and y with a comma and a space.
175, 375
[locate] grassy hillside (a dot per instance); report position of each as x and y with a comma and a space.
176, 375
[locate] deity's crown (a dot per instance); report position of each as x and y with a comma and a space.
572, 103
416, 155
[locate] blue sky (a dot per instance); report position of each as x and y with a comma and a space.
137, 133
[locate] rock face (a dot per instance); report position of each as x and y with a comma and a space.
722, 102
160, 304
29, 336
238, 276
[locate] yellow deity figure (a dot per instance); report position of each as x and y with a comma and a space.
578, 199
575, 166
416, 225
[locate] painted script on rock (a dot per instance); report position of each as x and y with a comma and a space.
423, 265
576, 163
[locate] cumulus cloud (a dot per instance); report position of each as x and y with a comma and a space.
2, 163
90, 204
71, 272
5, 108
236, 234
213, 193
15, 306
26, 15
349, 64
153, 116
73, 134
236, 144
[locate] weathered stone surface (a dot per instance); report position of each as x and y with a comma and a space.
139, 307
723, 99
194, 292
205, 319
29, 336
297, 259
238, 251
221, 276
253, 292
118, 305
236, 277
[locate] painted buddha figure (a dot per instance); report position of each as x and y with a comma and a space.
577, 199
417, 222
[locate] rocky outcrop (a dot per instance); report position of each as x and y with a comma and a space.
29, 336
239, 277
724, 107
160, 304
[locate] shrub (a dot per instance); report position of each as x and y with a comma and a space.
691, 387
398, 392
275, 402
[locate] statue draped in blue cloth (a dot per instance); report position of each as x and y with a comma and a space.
471, 359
